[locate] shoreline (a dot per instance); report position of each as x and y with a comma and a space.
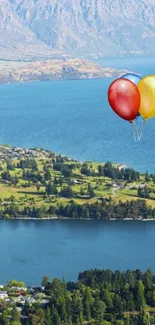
58, 80
77, 219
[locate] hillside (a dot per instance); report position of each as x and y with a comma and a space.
53, 70
36, 183
94, 28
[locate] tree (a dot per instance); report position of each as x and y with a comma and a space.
82, 191
67, 192
61, 308
60, 181
10, 166
56, 289
55, 318
98, 310
87, 303
14, 180
141, 302
37, 318
48, 319
153, 298
4, 318
77, 308
45, 281
47, 175
55, 181
68, 299
143, 318
90, 191
38, 186
51, 189
15, 314
14, 283
129, 278
6, 176
148, 278
33, 164
107, 298
147, 178
118, 305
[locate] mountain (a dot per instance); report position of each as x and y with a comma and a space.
17, 40
83, 28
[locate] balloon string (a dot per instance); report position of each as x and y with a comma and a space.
141, 130
134, 130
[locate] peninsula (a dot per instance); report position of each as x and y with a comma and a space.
62, 69
40, 184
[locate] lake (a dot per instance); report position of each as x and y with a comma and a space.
32, 249
74, 118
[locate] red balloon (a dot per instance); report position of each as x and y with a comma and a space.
124, 98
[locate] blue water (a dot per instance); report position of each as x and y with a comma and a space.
74, 118
32, 249
143, 65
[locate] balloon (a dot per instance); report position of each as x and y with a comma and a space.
132, 77
146, 88
124, 99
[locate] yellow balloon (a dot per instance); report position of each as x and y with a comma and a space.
146, 88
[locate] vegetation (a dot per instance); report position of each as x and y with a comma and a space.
37, 183
99, 297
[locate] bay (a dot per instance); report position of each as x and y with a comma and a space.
63, 248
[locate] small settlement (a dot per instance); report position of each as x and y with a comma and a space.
19, 296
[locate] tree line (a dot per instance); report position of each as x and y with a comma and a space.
104, 210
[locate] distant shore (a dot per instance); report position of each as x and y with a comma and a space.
52, 70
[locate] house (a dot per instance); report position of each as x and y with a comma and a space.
39, 289
21, 289
121, 167
3, 295
77, 181
19, 309
30, 300
44, 302
20, 293
20, 299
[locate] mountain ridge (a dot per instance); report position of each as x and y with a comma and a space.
94, 28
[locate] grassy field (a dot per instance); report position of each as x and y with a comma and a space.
28, 192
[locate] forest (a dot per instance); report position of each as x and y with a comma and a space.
99, 297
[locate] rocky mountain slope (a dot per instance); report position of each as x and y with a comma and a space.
77, 27
17, 40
